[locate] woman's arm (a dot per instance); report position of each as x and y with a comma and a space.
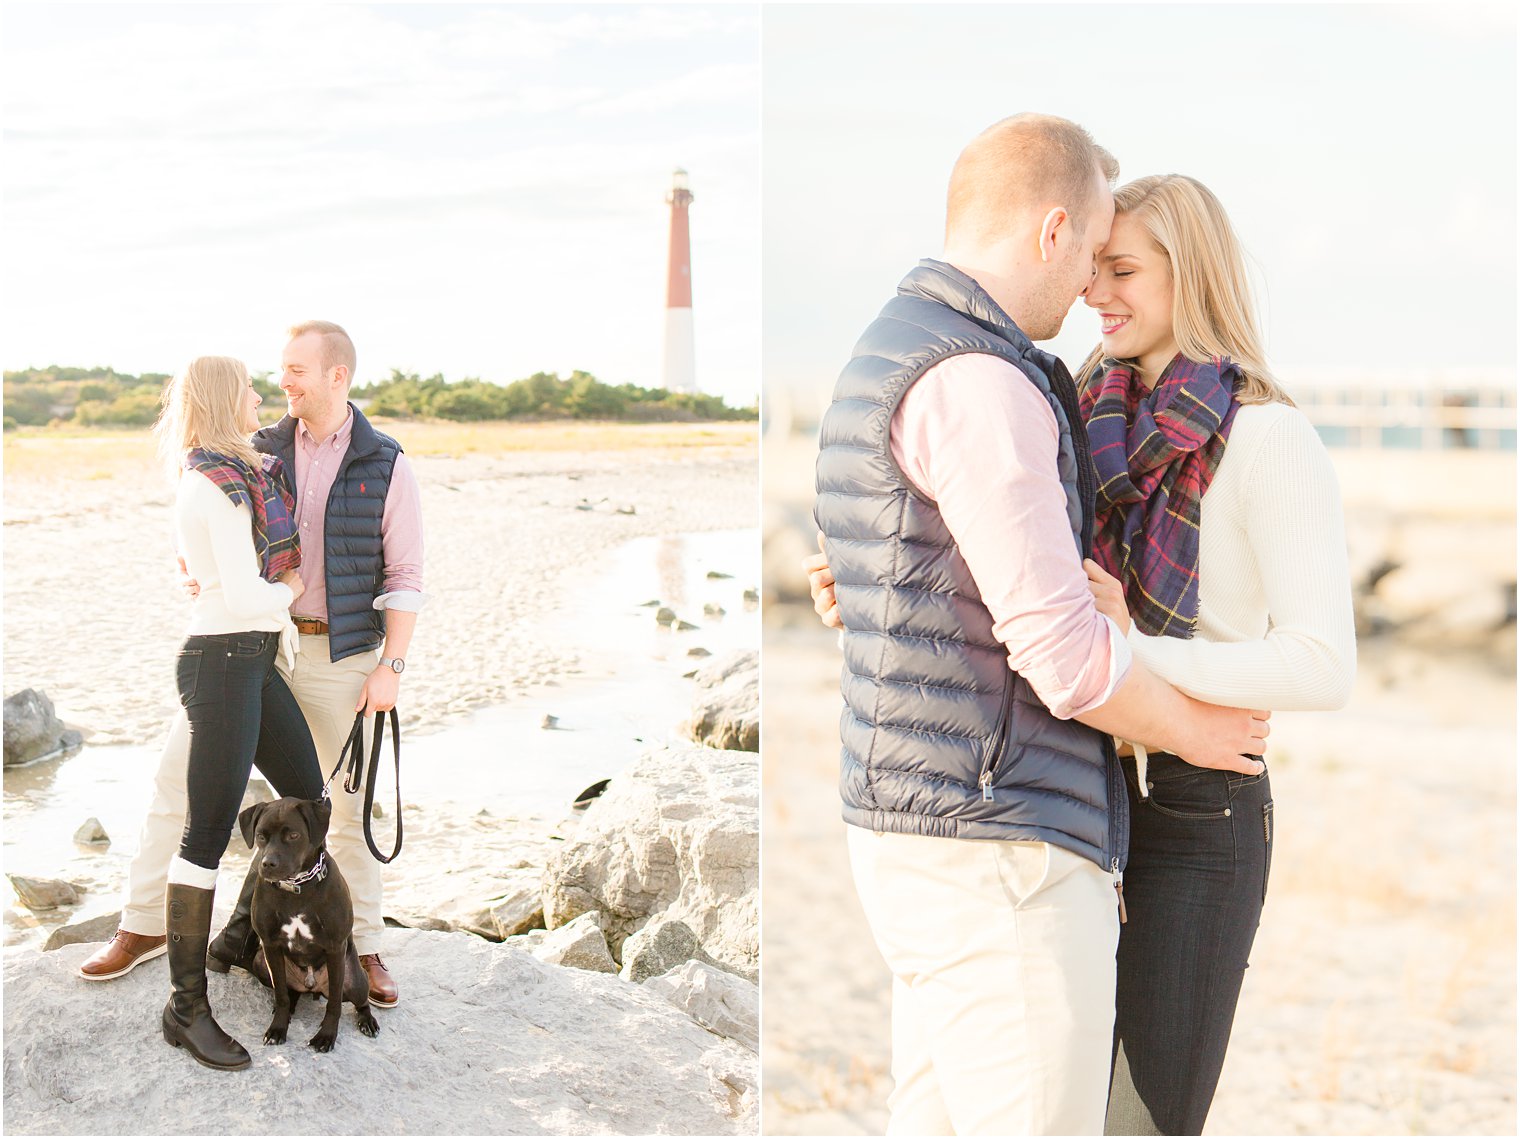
1294, 524
229, 530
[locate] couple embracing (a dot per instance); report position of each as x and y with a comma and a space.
1068, 608
303, 542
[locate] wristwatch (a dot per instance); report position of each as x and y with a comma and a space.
395, 664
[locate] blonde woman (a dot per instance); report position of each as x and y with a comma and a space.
1220, 552
233, 521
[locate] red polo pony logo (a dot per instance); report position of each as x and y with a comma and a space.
361, 488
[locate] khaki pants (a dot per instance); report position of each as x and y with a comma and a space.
327, 692
1002, 958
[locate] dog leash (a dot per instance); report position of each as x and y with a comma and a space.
352, 756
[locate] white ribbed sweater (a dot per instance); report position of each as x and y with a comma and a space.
1275, 629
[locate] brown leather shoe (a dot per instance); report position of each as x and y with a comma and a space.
123, 953
382, 989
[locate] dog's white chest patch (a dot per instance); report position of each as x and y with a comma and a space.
296, 927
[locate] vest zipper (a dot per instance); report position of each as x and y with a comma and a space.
999, 742
1119, 888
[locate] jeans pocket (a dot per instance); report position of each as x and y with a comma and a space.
246, 645
187, 672
1201, 794
1266, 829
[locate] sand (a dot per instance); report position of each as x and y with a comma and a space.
1381, 994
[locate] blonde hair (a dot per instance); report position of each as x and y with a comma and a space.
1213, 313
337, 348
1023, 162
202, 406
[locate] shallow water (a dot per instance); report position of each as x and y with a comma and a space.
630, 693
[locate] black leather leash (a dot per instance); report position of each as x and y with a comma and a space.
353, 756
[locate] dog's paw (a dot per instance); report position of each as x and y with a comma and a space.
324, 1041
274, 1034
367, 1022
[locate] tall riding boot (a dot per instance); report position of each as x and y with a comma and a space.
237, 943
187, 1017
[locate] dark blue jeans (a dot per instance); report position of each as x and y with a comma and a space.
242, 716
1200, 852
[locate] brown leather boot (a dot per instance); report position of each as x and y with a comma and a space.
382, 988
119, 956
188, 1022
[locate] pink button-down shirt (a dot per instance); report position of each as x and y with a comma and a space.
978, 438
400, 523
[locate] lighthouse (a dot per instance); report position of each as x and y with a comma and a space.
680, 348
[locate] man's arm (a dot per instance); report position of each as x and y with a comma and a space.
980, 440
401, 596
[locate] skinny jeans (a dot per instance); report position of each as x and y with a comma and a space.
241, 715
1200, 853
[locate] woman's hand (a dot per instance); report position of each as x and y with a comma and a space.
293, 579
821, 586
1108, 593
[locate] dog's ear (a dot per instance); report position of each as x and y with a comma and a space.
248, 822
318, 813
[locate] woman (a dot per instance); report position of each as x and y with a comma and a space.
1219, 528
236, 534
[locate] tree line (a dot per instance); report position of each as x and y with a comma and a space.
105, 397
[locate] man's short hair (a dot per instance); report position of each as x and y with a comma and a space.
337, 348
1024, 162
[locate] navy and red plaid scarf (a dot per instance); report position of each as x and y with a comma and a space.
1155, 453
267, 496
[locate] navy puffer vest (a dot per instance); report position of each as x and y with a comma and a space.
940, 736
354, 556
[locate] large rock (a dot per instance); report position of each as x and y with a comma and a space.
88, 932
728, 1005
661, 945
579, 945
33, 730
675, 836
488, 1040
43, 893
726, 711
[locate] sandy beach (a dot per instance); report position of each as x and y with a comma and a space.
1381, 995
541, 542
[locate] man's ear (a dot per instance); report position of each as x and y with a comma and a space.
318, 814
1057, 224
248, 822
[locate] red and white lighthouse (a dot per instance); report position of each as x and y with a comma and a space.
680, 346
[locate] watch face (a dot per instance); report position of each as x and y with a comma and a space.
395, 664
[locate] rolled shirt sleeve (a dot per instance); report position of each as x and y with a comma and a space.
980, 440
401, 541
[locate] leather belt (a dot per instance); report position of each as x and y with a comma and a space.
310, 625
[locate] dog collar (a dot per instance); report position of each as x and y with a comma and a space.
318, 871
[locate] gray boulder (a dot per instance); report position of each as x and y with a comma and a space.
487, 1040
728, 1005
660, 946
33, 730
87, 932
578, 945
726, 711
675, 836
43, 893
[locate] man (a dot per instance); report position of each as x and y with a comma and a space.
989, 817
358, 509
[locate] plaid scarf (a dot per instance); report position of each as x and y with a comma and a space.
1155, 453
265, 493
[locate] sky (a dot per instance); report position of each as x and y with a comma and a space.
1365, 154
477, 190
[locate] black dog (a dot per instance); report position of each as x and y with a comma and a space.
304, 917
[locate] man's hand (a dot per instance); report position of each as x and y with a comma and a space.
1223, 738
186, 582
379, 692
1108, 593
821, 586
